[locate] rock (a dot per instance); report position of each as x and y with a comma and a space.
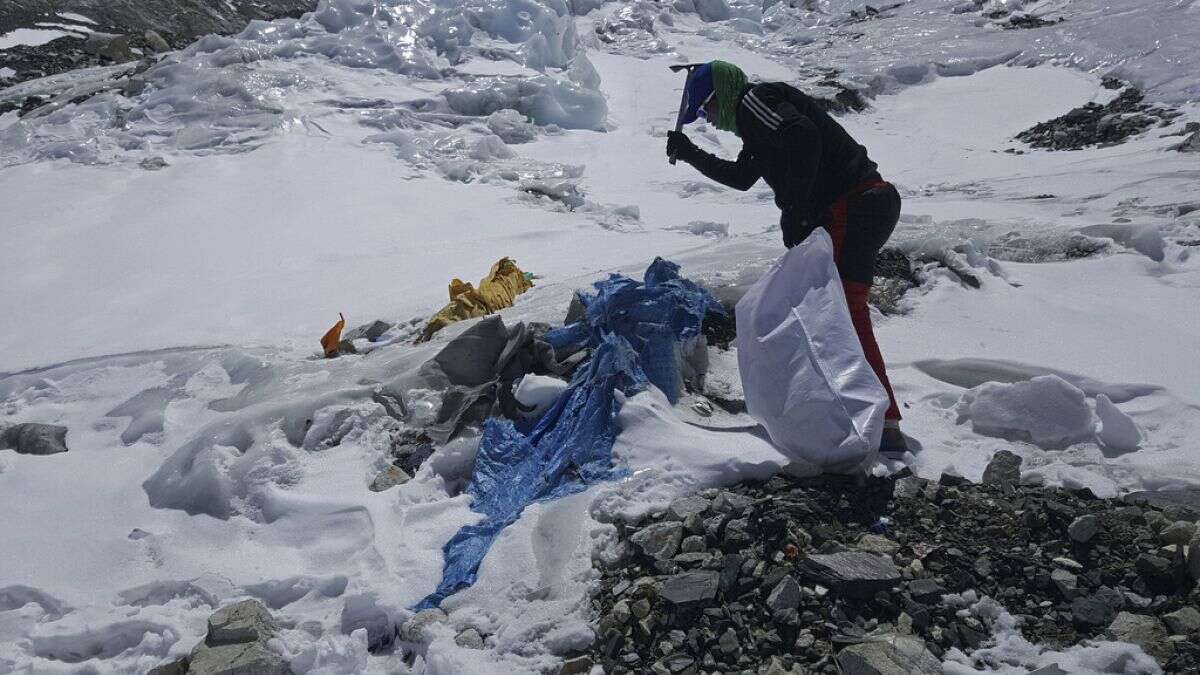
1144, 631
1051, 669
926, 590
1003, 469
728, 642
1184, 621
153, 163
889, 655
236, 643
414, 629
851, 573
389, 478
156, 42
245, 621
179, 667
693, 544
691, 587
877, 544
115, 48
469, 639
31, 438
729, 502
1066, 583
1179, 533
239, 658
737, 534
369, 331
1082, 529
1153, 567
660, 540
785, 595
1091, 612
1068, 564
580, 665
909, 487
690, 505
1193, 558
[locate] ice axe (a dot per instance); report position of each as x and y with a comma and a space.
683, 102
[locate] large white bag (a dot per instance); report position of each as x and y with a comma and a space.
803, 370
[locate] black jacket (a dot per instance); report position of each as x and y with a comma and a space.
806, 157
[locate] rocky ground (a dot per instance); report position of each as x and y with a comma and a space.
1102, 125
874, 575
122, 30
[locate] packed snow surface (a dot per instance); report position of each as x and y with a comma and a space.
177, 240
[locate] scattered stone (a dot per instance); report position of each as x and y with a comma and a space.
1003, 469
1179, 533
909, 487
1184, 621
691, 587
1065, 582
156, 42
1092, 612
1095, 124
1067, 564
469, 639
879, 545
785, 595
580, 665
31, 438
660, 540
852, 573
889, 655
389, 478
1144, 631
237, 643
245, 621
728, 502
686, 506
369, 331
728, 642
1083, 528
1193, 558
108, 46
928, 591
414, 629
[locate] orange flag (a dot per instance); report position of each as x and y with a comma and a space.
330, 340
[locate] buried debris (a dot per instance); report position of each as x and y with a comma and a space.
499, 289
1096, 124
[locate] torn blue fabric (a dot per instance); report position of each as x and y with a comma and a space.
569, 449
655, 316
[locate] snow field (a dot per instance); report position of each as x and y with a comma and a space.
357, 159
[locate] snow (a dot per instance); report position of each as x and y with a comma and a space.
357, 159
31, 37
1046, 411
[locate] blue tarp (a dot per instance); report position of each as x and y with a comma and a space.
634, 330
654, 316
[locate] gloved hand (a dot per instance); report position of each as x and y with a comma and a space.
680, 146
796, 227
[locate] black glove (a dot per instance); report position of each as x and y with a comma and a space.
680, 146
796, 227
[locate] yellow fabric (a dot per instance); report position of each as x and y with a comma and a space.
499, 289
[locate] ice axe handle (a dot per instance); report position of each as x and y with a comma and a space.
683, 102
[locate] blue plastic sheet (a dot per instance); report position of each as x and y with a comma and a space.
655, 317
569, 449
634, 330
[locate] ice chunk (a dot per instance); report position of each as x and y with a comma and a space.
1118, 432
1047, 411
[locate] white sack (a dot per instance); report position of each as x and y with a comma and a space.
803, 370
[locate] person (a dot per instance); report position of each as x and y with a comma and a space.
821, 177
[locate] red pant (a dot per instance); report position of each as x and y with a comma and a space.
859, 224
